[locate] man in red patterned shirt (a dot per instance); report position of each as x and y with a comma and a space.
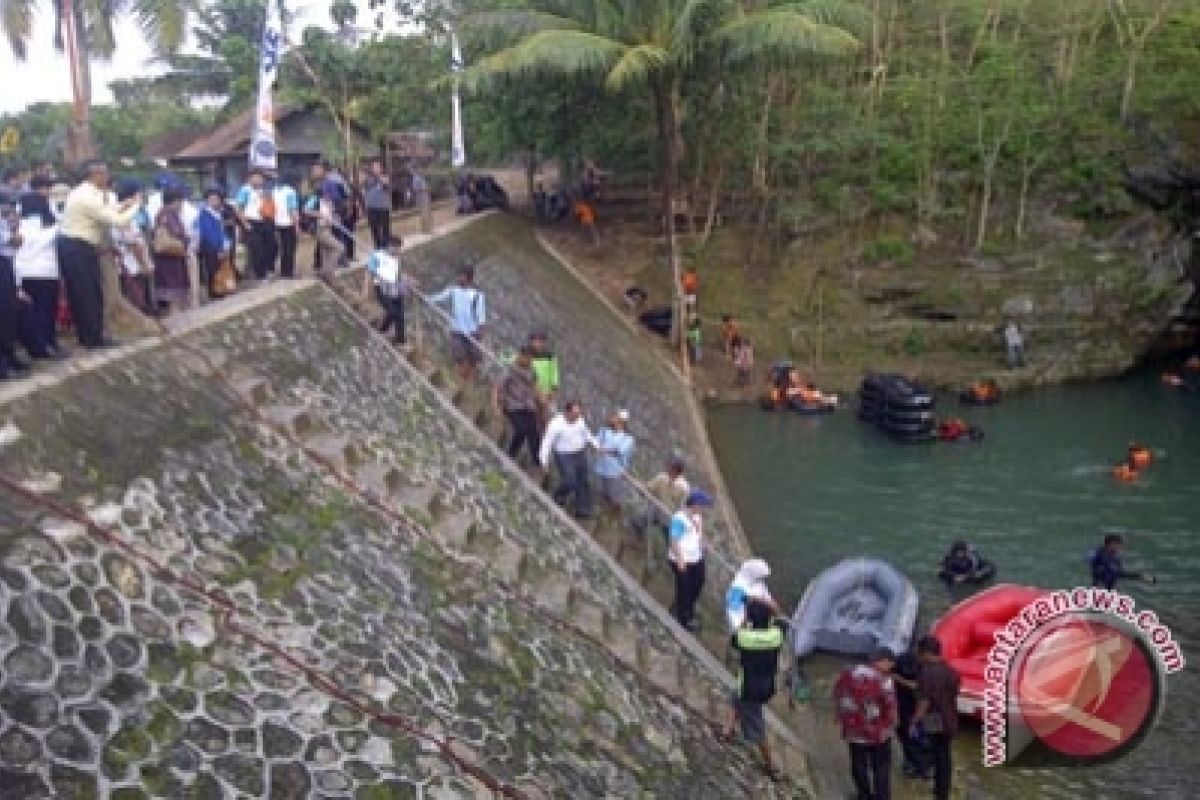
865, 701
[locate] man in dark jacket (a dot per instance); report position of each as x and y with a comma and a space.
1106, 564
757, 646
937, 710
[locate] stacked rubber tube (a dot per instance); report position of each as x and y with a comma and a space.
902, 409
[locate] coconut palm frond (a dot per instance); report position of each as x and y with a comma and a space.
848, 16
16, 18
500, 26
782, 36
164, 22
570, 52
635, 65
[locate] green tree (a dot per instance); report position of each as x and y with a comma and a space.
653, 44
85, 29
226, 33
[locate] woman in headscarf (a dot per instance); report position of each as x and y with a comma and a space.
37, 271
170, 244
750, 583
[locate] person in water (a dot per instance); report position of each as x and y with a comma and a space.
1107, 567
960, 564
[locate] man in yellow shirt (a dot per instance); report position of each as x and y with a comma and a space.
83, 231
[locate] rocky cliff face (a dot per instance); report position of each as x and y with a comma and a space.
303, 576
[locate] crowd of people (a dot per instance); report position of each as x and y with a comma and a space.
70, 254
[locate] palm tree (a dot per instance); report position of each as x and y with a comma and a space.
657, 44
85, 29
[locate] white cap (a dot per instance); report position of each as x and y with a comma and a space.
623, 415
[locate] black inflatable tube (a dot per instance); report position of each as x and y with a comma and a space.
984, 572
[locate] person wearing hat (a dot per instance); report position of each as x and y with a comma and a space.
686, 555
864, 700
468, 313
615, 447
748, 585
171, 280
567, 438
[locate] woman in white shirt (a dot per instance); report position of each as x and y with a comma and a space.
36, 264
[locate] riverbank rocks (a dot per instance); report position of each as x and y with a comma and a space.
291, 638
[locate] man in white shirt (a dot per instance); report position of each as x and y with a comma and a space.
287, 226
686, 555
257, 218
568, 438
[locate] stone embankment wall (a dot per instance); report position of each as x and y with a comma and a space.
304, 576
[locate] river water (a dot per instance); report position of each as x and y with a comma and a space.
1035, 496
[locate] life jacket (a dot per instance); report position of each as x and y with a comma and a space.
266, 206
690, 282
759, 650
1124, 472
1140, 457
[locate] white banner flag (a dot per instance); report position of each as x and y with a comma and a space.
458, 149
263, 151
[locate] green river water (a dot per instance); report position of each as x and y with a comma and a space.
1035, 496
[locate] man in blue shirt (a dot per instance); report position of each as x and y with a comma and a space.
468, 311
615, 446
1106, 564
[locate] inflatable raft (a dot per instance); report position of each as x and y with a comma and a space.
967, 633
853, 607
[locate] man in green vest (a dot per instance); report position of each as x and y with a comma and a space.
545, 373
757, 643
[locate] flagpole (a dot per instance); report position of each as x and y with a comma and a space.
458, 149
263, 149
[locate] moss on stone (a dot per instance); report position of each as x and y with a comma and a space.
164, 726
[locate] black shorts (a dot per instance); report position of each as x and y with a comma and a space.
464, 348
753, 722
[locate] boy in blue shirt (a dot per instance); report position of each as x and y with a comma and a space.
392, 285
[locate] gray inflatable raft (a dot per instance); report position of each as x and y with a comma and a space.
853, 607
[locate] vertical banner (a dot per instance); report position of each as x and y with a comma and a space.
262, 142
458, 149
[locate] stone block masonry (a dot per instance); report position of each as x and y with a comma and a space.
305, 579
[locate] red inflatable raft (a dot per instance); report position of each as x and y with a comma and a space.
967, 631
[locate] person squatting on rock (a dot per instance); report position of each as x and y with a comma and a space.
757, 644
392, 286
686, 555
468, 313
864, 700
568, 438
516, 395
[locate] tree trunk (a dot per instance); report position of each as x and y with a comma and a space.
714, 196
1135, 55
79, 147
668, 119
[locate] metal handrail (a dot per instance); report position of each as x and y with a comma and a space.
497, 362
